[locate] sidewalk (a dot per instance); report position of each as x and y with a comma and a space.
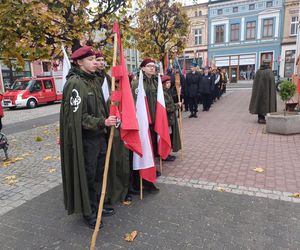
225, 144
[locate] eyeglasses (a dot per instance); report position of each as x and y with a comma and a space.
150, 66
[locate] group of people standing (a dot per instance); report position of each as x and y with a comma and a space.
85, 123
203, 87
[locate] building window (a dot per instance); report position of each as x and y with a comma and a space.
294, 24
269, 3
220, 12
219, 34
251, 6
200, 13
235, 9
198, 36
250, 30
234, 32
268, 27
196, 13
289, 63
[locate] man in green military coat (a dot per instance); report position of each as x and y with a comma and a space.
263, 99
171, 108
83, 123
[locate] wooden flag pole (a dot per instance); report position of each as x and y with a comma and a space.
107, 158
178, 88
141, 187
160, 164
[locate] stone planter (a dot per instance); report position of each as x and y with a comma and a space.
287, 124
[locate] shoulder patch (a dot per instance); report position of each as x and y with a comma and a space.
75, 100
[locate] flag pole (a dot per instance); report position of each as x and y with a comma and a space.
160, 164
107, 158
178, 87
141, 187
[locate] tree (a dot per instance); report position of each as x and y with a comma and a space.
162, 27
35, 29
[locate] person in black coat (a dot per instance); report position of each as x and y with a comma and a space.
206, 89
192, 90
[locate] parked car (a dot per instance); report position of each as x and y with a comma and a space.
30, 92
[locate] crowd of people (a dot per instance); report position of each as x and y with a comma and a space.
85, 123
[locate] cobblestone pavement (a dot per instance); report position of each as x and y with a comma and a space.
176, 218
23, 114
33, 168
225, 144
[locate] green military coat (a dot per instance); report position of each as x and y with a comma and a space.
263, 99
81, 108
171, 108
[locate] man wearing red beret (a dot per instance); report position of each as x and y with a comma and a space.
150, 86
83, 126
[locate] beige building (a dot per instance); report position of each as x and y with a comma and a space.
288, 45
197, 38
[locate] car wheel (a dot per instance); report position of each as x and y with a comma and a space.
31, 103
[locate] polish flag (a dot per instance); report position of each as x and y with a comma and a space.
161, 126
144, 163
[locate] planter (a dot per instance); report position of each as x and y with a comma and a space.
287, 124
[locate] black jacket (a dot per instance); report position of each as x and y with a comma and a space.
192, 88
206, 84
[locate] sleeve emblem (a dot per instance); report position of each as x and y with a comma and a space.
75, 100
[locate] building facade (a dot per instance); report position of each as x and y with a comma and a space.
197, 39
288, 45
242, 34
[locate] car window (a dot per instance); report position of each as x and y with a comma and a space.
38, 85
48, 84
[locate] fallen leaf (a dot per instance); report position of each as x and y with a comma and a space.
26, 154
38, 139
52, 170
259, 170
295, 195
13, 140
11, 182
46, 132
17, 159
130, 236
6, 164
126, 203
221, 189
46, 158
11, 177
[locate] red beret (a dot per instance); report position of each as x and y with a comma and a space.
82, 52
146, 61
165, 78
99, 54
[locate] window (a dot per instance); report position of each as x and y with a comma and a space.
294, 24
251, 6
269, 3
48, 84
38, 85
219, 34
268, 27
234, 32
196, 13
289, 63
250, 30
198, 36
220, 12
200, 13
235, 9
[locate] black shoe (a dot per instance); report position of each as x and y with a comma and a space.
170, 158
134, 192
128, 197
195, 116
108, 212
158, 173
151, 189
91, 221
191, 115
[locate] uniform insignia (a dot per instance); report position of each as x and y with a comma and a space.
136, 91
75, 100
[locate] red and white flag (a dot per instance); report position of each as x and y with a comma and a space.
144, 163
161, 126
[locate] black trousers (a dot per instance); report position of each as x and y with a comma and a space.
193, 104
94, 151
207, 99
